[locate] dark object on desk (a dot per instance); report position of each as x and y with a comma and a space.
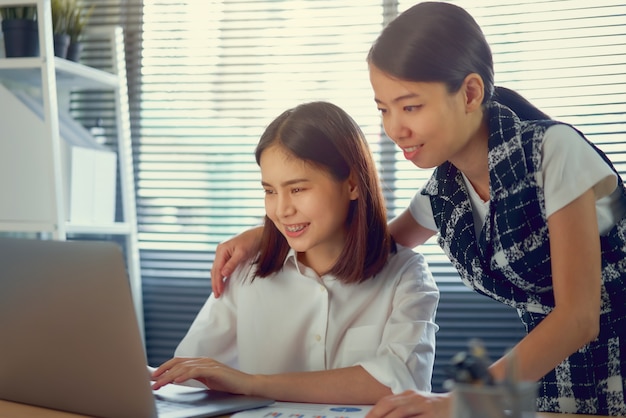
69, 337
470, 367
477, 395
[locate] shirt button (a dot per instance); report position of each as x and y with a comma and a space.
322, 289
318, 337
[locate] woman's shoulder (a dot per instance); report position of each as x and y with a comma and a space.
405, 259
407, 269
563, 131
244, 272
402, 251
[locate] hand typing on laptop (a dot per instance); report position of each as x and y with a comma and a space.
209, 372
320, 386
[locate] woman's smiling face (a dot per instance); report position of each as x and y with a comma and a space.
307, 205
427, 122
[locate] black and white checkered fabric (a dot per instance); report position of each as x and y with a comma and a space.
510, 262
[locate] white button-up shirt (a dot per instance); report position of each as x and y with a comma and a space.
296, 321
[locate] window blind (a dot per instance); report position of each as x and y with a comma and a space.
214, 74
205, 77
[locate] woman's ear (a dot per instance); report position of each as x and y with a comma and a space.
474, 89
353, 188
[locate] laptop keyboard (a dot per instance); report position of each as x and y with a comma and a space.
164, 406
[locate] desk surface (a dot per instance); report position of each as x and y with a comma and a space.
17, 410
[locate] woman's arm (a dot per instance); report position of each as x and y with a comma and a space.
576, 269
576, 276
348, 385
351, 385
407, 231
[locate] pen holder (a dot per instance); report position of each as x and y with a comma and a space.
496, 401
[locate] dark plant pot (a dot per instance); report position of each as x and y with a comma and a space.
20, 38
61, 44
74, 51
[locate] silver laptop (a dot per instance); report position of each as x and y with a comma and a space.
69, 337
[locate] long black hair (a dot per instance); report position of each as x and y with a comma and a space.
441, 42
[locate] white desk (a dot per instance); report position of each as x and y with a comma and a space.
17, 410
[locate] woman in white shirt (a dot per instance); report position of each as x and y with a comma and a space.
331, 310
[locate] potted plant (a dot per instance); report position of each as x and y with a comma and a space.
60, 16
19, 27
78, 16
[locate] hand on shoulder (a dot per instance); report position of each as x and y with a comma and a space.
230, 254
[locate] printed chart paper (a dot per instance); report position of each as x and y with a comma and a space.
305, 410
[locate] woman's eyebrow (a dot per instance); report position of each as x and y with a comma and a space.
286, 183
400, 98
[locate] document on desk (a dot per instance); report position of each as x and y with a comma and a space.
305, 410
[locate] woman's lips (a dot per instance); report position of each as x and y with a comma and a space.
411, 152
295, 229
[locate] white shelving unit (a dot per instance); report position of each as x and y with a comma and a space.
52, 77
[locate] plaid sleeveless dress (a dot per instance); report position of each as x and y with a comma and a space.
510, 262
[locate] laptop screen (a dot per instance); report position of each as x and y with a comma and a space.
70, 339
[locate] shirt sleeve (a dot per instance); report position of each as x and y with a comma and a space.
213, 331
570, 166
406, 356
422, 211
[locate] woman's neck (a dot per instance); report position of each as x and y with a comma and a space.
473, 162
321, 260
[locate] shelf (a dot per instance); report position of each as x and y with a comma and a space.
116, 228
37, 162
69, 74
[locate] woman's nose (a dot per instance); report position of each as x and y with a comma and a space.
284, 205
395, 128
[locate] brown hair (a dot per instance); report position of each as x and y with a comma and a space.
324, 135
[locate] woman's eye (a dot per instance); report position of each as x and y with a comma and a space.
268, 191
411, 108
296, 190
383, 111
